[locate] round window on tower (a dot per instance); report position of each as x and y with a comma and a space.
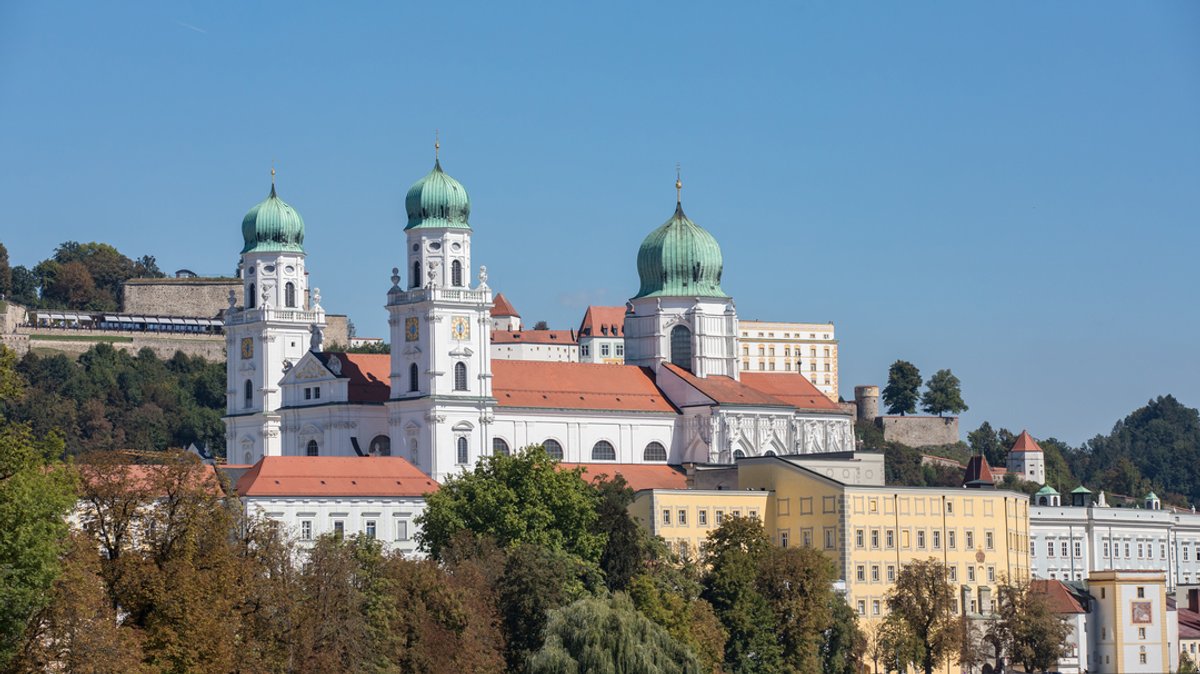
456, 246
416, 247
434, 245
290, 269
250, 271
270, 269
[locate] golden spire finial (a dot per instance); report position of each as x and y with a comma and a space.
272, 174
437, 145
678, 186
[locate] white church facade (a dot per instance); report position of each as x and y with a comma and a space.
440, 400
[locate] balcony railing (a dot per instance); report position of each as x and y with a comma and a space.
483, 296
273, 314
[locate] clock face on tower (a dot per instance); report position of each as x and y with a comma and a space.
411, 326
460, 328
247, 347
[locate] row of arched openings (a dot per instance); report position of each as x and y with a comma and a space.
603, 450
456, 274
289, 296
460, 377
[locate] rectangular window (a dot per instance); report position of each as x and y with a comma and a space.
891, 573
306, 530
970, 540
753, 514
828, 538
585, 349
989, 540
1049, 548
1141, 632
875, 607
720, 516
1126, 551
949, 507
702, 517
371, 529
858, 538
862, 607
604, 349
806, 538
1078, 548
860, 573
783, 538
1139, 550
1141, 593
307, 393
991, 571
666, 516
874, 573
937, 540
953, 574
890, 538
950, 539
317, 392
921, 539
970, 574
620, 349
402, 530
681, 518
875, 539
974, 606
339, 529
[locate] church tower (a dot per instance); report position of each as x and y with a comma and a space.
441, 405
278, 323
681, 315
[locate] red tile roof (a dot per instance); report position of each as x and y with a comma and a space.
583, 386
1058, 596
145, 475
638, 476
978, 471
726, 390
369, 374
533, 337
1189, 624
334, 476
603, 322
502, 307
1025, 443
793, 389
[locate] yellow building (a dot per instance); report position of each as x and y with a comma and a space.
683, 517
872, 530
808, 348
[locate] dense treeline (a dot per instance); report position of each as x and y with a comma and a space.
83, 276
111, 399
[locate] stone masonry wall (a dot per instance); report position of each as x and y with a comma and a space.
75, 342
196, 297
919, 431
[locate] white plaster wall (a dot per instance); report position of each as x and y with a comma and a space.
629, 433
395, 517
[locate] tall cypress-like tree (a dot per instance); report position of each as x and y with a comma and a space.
900, 394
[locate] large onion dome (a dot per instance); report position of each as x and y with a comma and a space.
273, 226
437, 200
680, 259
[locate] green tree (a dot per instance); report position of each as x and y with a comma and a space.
984, 440
943, 394
24, 286
900, 394
522, 498
609, 635
536, 580
627, 546
922, 600
798, 585
733, 554
1160, 441
6, 280
668, 593
1027, 630
845, 644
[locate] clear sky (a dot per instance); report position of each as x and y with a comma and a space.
1009, 190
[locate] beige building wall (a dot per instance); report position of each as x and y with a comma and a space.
1131, 627
684, 517
808, 348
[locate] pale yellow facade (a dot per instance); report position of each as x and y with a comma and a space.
981, 535
684, 517
807, 348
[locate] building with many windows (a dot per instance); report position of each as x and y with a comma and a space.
602, 335
807, 348
442, 399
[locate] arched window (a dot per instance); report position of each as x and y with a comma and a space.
553, 449
603, 451
499, 446
456, 278
739, 454
460, 376
681, 347
289, 295
251, 297
769, 452
312, 449
249, 393
415, 281
655, 452
414, 383
381, 445
461, 444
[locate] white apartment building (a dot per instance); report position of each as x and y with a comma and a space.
1071, 542
807, 348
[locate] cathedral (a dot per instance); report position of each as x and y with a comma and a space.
439, 399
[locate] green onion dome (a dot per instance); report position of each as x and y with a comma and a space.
680, 259
437, 200
273, 226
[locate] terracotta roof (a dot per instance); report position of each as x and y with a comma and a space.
502, 307
793, 389
1060, 598
369, 374
584, 386
533, 337
334, 476
1189, 624
978, 472
1025, 443
726, 390
603, 322
639, 476
144, 474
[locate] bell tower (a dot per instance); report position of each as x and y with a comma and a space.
278, 322
441, 405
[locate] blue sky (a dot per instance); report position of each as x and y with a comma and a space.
1009, 190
